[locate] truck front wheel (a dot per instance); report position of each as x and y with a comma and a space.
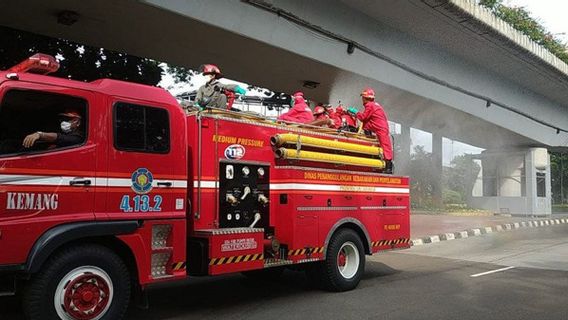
345, 262
87, 282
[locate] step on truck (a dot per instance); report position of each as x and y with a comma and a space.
148, 192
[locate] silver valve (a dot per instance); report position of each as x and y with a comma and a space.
246, 192
256, 219
262, 199
232, 199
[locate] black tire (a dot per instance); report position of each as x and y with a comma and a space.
83, 262
330, 276
268, 274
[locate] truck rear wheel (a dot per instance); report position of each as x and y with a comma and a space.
345, 262
87, 282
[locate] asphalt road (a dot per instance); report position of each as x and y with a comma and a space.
426, 282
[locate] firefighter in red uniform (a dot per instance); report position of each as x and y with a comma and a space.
335, 118
348, 121
375, 120
321, 116
213, 94
300, 112
320, 113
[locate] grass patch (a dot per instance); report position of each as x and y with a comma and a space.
560, 207
453, 211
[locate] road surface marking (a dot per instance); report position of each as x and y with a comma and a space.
490, 272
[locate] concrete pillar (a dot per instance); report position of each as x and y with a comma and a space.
402, 157
549, 183
437, 166
537, 160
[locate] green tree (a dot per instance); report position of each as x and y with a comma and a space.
78, 62
520, 19
422, 182
559, 174
461, 175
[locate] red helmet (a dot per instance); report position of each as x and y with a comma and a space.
319, 110
70, 113
339, 110
210, 69
298, 94
368, 93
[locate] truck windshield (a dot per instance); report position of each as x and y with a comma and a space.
37, 121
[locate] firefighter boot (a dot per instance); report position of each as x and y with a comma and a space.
389, 167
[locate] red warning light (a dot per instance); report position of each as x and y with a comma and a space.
38, 63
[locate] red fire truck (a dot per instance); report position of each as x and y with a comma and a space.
150, 192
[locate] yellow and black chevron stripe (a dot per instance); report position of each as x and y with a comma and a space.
381, 243
177, 266
301, 252
236, 259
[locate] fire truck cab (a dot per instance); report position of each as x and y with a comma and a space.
147, 192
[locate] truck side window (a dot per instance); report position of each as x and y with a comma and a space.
141, 128
24, 113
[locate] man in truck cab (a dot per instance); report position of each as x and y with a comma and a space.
69, 135
213, 94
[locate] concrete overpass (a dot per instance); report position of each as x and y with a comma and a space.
443, 66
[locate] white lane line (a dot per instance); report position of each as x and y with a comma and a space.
490, 272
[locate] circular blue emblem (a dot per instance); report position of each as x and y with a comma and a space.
142, 181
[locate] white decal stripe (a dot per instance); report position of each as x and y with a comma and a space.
314, 187
328, 187
206, 184
178, 183
382, 208
9, 179
41, 180
326, 208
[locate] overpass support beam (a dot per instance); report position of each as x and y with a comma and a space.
402, 148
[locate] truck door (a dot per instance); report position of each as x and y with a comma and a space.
48, 181
146, 164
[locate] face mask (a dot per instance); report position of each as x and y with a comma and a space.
65, 126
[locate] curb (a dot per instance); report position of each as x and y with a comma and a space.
485, 230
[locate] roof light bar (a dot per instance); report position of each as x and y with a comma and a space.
38, 63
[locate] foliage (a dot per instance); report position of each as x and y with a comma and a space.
560, 208
458, 179
451, 197
461, 175
520, 19
181, 74
423, 179
77, 61
559, 174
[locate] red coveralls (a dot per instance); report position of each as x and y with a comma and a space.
320, 116
375, 119
300, 113
335, 117
349, 120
